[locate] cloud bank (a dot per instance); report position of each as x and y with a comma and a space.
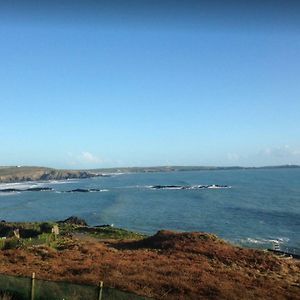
279, 155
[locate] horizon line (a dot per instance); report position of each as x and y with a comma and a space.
155, 166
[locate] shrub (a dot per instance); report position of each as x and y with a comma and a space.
46, 227
12, 244
2, 243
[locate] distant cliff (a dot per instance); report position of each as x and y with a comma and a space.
17, 174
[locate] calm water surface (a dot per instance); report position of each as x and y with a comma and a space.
262, 206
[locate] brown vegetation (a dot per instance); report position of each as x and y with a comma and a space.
167, 265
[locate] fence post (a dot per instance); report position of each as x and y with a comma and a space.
100, 290
32, 285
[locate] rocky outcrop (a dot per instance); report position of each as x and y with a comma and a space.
20, 174
189, 187
74, 221
36, 189
83, 191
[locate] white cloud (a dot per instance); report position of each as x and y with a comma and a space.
281, 152
88, 157
279, 155
84, 159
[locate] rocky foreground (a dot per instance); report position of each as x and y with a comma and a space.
168, 265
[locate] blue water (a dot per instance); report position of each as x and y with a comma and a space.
262, 206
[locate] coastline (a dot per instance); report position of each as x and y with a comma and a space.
178, 187
14, 174
27, 174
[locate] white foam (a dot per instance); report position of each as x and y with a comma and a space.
13, 185
279, 240
20, 185
61, 181
213, 186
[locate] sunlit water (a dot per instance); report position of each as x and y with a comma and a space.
262, 206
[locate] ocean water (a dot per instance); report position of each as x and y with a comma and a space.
261, 207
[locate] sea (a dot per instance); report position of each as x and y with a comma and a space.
255, 208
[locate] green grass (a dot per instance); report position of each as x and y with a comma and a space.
2, 244
43, 236
5, 171
106, 232
111, 233
31, 234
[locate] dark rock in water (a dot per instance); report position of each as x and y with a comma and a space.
94, 190
78, 191
158, 187
36, 189
202, 186
189, 187
39, 189
74, 221
83, 190
9, 190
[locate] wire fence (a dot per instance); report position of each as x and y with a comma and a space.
24, 288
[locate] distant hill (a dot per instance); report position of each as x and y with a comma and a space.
180, 169
18, 173
31, 173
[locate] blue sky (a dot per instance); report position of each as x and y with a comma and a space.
78, 91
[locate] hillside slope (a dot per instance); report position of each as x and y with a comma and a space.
168, 265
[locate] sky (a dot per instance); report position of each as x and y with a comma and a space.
91, 84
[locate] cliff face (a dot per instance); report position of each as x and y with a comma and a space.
17, 174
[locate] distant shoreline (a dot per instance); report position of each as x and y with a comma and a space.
14, 174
